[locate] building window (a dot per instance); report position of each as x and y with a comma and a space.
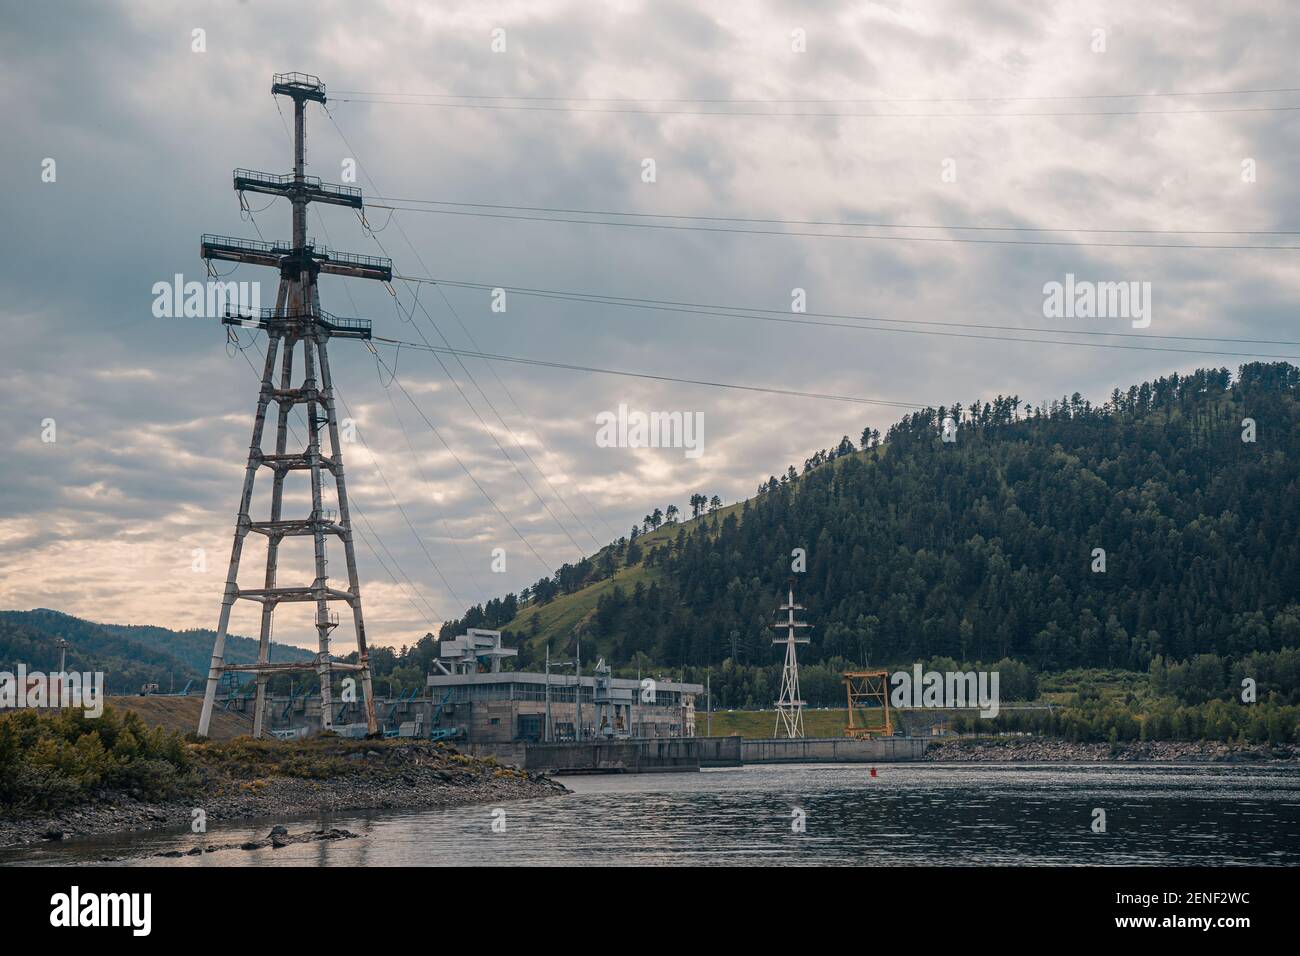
530, 726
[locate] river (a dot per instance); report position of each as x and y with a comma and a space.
907, 814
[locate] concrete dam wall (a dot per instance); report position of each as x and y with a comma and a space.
832, 750
693, 753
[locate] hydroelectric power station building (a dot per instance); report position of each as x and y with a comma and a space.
475, 701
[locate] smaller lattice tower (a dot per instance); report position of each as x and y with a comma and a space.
789, 708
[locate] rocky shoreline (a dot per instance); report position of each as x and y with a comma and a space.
346, 777
1037, 750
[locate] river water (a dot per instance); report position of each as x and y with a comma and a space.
908, 814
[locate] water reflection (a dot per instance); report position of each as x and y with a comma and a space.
908, 814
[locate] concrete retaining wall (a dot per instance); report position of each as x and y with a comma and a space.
832, 750
719, 751
615, 756
649, 755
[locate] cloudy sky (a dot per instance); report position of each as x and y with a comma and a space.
152, 415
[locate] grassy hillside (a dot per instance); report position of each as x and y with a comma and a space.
559, 619
181, 715
760, 724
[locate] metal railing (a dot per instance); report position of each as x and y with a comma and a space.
246, 245
279, 248
271, 179
335, 323
305, 80
287, 179
353, 259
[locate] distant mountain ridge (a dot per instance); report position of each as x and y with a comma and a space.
128, 655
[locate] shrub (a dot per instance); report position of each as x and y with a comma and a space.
50, 760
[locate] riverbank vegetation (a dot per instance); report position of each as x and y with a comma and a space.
1255, 700
54, 759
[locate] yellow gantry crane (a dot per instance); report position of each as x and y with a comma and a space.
867, 690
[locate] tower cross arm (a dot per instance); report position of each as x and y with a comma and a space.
357, 266
307, 188
229, 249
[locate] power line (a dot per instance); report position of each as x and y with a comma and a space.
493, 408
432, 427
945, 99
832, 222
871, 328
511, 398
842, 114
492, 368
396, 583
779, 315
365, 520
519, 360
374, 460
830, 235
486, 428
402, 511
478, 587
474, 382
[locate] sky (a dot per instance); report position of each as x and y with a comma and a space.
125, 435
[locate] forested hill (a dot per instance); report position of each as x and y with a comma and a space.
127, 655
980, 548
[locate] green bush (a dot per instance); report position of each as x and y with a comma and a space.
51, 760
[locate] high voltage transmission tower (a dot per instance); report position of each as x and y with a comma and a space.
296, 318
789, 709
